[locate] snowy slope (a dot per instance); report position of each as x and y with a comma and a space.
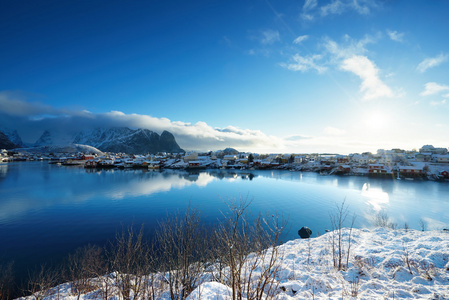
383, 264
69, 148
123, 139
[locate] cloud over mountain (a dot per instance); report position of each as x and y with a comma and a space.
31, 119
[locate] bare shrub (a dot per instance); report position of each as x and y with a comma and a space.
247, 246
354, 286
407, 261
84, 264
406, 227
383, 220
41, 281
427, 269
423, 224
6, 280
184, 247
338, 250
129, 258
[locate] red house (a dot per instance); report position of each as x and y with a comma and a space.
87, 157
444, 174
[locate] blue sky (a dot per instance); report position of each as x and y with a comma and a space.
263, 76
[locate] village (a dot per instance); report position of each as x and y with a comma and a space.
427, 163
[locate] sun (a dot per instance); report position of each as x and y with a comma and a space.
376, 120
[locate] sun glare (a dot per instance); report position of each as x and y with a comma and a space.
376, 121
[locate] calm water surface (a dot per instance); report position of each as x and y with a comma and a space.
46, 211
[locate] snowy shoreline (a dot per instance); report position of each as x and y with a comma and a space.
383, 264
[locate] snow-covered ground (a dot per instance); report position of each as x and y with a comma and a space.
383, 264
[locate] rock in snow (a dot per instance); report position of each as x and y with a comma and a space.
305, 232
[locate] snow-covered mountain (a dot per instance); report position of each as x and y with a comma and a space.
133, 141
5, 142
118, 139
44, 140
12, 135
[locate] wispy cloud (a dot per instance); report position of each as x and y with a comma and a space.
305, 63
269, 37
396, 36
300, 39
438, 103
432, 62
433, 88
310, 4
11, 103
336, 7
350, 55
349, 47
307, 9
372, 87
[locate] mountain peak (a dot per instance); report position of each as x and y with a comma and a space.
126, 140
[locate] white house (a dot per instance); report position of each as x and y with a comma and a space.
360, 159
191, 156
230, 157
440, 158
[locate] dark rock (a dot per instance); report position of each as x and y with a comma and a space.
305, 232
168, 143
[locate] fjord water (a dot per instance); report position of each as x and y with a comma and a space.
46, 211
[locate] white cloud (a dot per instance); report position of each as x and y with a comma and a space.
437, 103
350, 47
396, 36
270, 37
300, 39
432, 88
334, 131
371, 86
11, 103
305, 63
432, 62
363, 7
31, 119
337, 7
310, 4
307, 17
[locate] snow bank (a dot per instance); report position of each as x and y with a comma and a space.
383, 264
